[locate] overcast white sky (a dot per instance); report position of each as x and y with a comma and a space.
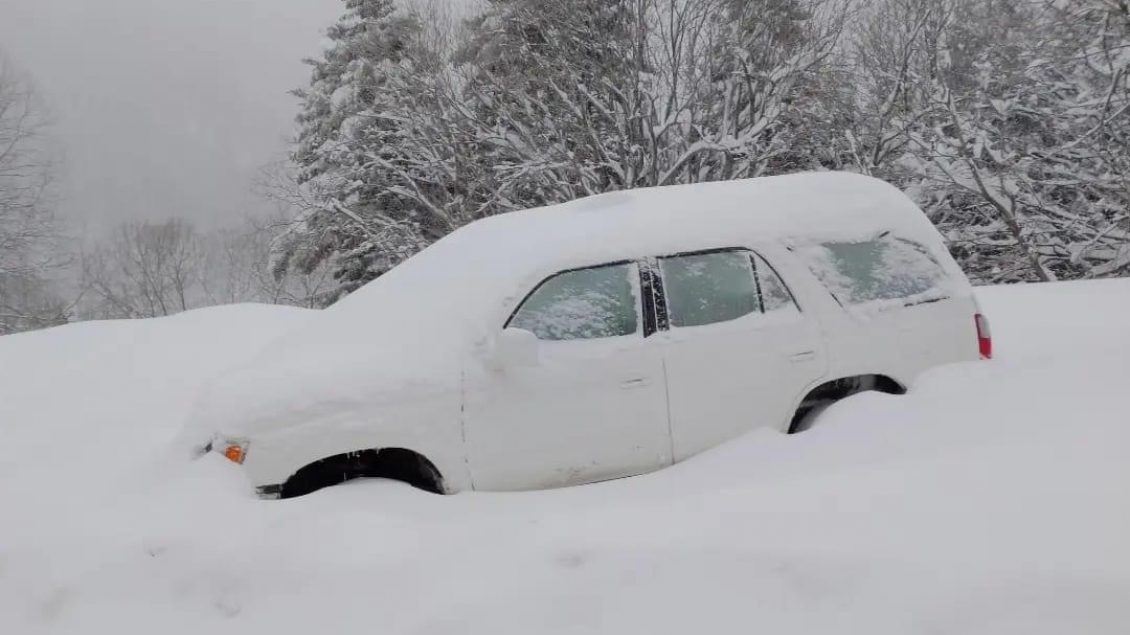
166, 107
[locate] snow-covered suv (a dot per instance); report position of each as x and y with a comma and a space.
606, 337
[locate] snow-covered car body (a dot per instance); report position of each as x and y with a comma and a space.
601, 338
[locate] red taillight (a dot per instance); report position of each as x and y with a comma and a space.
984, 336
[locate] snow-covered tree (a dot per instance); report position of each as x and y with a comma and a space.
1007, 120
29, 242
1080, 65
349, 135
1002, 119
583, 97
144, 270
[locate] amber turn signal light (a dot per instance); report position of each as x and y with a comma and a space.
235, 453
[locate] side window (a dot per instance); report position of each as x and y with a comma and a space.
885, 268
583, 304
709, 287
775, 296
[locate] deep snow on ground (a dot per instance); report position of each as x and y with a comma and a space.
993, 498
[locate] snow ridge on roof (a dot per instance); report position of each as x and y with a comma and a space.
490, 255
653, 221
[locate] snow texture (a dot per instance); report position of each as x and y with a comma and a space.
990, 499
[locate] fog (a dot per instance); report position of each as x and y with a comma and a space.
165, 107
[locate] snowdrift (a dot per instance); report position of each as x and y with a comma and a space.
993, 498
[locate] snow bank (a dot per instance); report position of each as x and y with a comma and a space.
990, 499
84, 406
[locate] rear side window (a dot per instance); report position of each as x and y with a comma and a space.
709, 287
583, 304
885, 268
719, 286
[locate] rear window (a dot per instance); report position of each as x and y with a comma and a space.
885, 268
709, 287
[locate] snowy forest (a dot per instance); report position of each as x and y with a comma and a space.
1008, 121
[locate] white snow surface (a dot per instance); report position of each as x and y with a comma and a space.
993, 498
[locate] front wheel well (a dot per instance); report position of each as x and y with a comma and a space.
836, 389
392, 463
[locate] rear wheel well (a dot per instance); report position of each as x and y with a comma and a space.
831, 391
393, 463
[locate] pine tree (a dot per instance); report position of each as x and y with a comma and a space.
349, 139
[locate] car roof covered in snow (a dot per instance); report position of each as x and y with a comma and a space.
492, 255
651, 221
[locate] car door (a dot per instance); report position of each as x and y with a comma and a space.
738, 350
591, 408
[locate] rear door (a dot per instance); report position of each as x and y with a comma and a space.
738, 350
593, 408
905, 312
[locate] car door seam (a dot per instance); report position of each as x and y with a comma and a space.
463, 426
667, 401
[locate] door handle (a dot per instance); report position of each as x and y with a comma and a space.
803, 356
636, 382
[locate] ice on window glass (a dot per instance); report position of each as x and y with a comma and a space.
708, 288
883, 269
775, 295
582, 304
